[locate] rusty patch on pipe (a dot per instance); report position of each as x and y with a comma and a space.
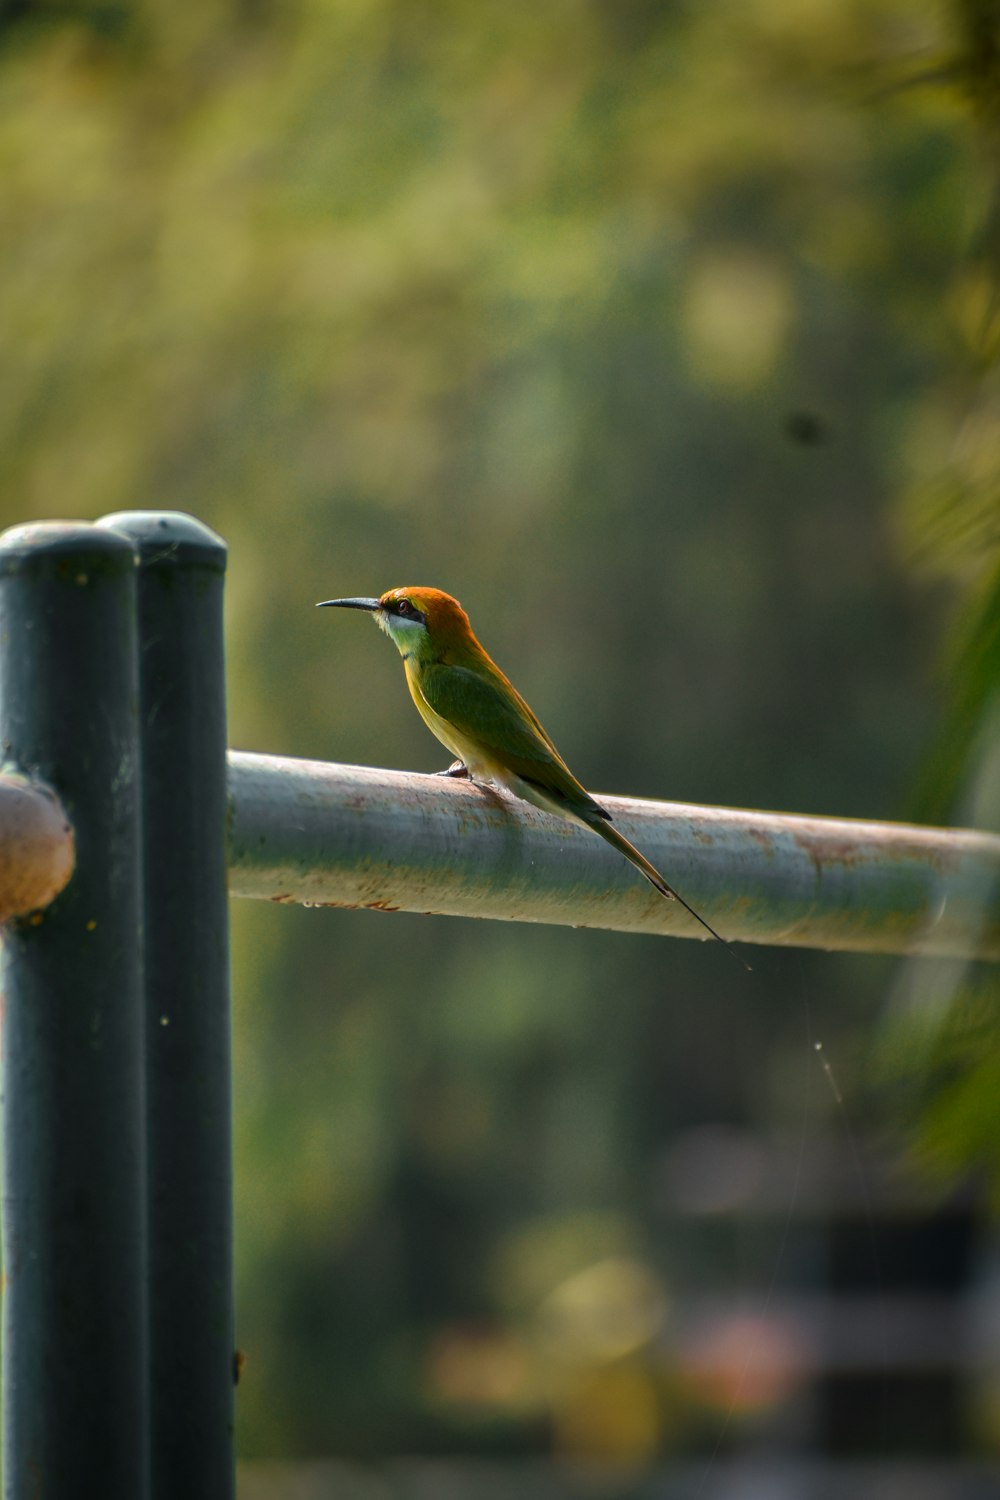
760, 836
825, 849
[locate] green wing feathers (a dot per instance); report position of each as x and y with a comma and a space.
486, 709
482, 709
489, 709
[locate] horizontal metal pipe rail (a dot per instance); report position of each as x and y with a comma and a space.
351, 836
357, 837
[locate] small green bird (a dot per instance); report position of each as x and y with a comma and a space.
477, 713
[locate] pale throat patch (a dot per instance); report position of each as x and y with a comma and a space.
404, 634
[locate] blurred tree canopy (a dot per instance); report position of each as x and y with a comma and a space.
665, 336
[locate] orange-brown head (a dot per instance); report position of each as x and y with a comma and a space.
425, 624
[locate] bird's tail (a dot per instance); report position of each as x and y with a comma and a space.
618, 841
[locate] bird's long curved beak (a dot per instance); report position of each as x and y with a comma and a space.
369, 604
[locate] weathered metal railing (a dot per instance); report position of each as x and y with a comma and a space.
351, 836
118, 819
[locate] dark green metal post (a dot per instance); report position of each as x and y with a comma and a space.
75, 1367
183, 737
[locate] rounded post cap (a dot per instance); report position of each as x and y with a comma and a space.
169, 537
75, 549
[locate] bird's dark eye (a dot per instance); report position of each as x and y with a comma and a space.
404, 607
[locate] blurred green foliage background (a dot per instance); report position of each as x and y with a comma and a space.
663, 335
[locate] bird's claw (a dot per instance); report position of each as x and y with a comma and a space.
456, 769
